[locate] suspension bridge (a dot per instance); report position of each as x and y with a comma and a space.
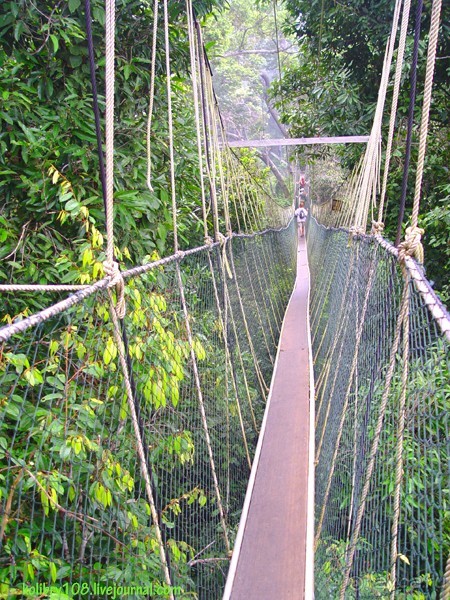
262, 416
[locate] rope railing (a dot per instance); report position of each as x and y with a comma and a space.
130, 409
381, 436
70, 392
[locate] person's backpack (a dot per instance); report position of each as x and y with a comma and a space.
302, 213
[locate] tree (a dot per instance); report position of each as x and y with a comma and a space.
51, 217
331, 90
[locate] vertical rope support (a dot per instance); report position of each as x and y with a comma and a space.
431, 60
374, 448
446, 585
151, 95
109, 130
170, 125
223, 318
340, 335
341, 318
259, 375
364, 193
207, 128
241, 360
345, 405
355, 422
202, 409
140, 447
264, 268
400, 438
398, 76
409, 134
257, 304
193, 58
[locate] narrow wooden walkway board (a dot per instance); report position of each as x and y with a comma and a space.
270, 142
269, 558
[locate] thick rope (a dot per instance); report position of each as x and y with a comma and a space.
110, 265
22, 287
85, 291
363, 194
109, 129
422, 285
206, 128
431, 60
346, 399
350, 554
399, 445
259, 375
446, 585
412, 245
43, 315
112, 270
151, 95
202, 409
170, 125
409, 134
397, 81
139, 442
193, 57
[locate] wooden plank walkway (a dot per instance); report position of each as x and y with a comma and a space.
269, 558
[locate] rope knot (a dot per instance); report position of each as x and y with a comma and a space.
222, 239
377, 227
112, 270
208, 240
180, 254
412, 245
355, 231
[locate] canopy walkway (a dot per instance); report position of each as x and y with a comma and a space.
204, 425
274, 519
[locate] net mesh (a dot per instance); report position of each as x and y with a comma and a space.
75, 515
355, 300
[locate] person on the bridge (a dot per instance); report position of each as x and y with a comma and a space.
301, 213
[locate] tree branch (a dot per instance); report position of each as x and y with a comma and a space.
278, 176
272, 111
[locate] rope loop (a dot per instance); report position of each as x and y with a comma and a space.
222, 239
412, 245
377, 227
112, 270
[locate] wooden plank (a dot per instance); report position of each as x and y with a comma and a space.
269, 557
348, 139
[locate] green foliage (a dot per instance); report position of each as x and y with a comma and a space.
49, 174
61, 462
424, 525
328, 578
331, 89
242, 46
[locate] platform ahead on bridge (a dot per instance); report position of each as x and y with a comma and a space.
269, 557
